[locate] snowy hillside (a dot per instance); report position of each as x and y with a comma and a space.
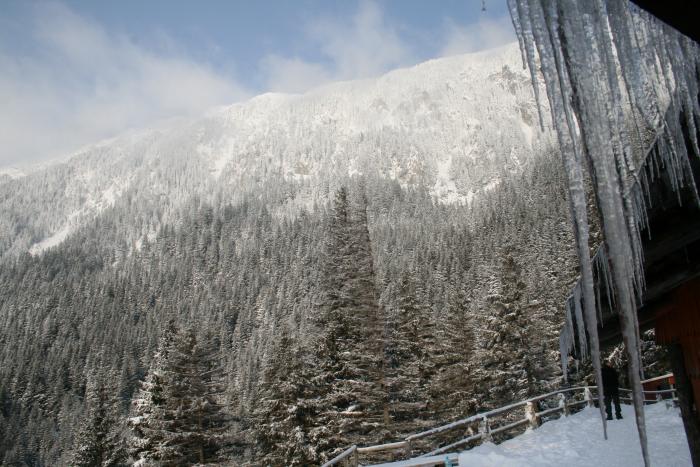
451, 125
420, 211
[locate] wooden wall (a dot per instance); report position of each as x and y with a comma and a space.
678, 322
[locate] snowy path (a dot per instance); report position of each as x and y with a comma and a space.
577, 441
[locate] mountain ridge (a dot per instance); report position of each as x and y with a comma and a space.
441, 124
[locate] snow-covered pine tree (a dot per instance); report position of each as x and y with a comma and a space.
99, 441
282, 417
179, 419
350, 349
504, 375
147, 405
197, 419
453, 386
410, 359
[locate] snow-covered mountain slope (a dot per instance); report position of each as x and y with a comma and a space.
10, 173
452, 125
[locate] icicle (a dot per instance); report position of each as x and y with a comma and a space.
515, 17
603, 267
598, 301
619, 138
527, 42
640, 204
566, 338
580, 323
587, 73
631, 66
559, 93
636, 59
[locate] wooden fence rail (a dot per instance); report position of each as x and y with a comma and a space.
486, 424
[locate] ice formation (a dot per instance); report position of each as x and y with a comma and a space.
621, 85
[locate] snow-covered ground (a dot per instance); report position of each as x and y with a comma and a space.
577, 441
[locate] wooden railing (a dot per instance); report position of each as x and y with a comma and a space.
482, 427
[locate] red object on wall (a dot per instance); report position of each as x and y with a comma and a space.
679, 323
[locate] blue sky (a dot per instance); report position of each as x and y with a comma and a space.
74, 72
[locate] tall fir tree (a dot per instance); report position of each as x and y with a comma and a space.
99, 441
409, 352
505, 372
179, 419
452, 388
148, 404
350, 350
285, 408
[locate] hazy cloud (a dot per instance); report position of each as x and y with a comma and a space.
368, 45
364, 46
71, 82
77, 83
293, 74
482, 35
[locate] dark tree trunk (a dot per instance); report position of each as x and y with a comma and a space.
689, 411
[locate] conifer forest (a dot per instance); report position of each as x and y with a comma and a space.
281, 330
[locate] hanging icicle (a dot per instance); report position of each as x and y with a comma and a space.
580, 323
602, 268
566, 340
621, 87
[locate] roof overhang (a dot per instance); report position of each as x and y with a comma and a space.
671, 245
681, 14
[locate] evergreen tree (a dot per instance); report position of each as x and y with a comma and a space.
350, 350
410, 360
285, 409
506, 373
178, 417
148, 404
453, 387
98, 442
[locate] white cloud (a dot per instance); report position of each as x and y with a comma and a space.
366, 47
293, 74
482, 35
80, 84
363, 47
77, 83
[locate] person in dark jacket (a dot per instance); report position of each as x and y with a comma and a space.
611, 391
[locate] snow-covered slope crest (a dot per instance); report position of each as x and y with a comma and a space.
452, 125
11, 172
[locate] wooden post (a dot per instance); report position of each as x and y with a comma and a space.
409, 449
684, 391
485, 430
531, 415
355, 459
588, 396
563, 405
